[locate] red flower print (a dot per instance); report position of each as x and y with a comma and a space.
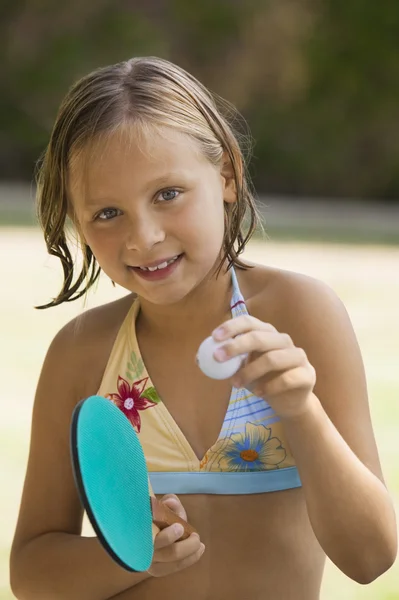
131, 399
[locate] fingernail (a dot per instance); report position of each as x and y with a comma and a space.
218, 334
220, 354
178, 529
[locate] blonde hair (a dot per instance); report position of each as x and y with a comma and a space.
144, 91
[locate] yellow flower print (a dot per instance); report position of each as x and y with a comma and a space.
253, 450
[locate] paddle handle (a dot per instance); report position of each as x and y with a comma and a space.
163, 516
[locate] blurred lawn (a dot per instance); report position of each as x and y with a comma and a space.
365, 277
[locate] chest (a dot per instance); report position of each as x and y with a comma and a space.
195, 402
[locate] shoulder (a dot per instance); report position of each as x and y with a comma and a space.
83, 345
294, 301
317, 321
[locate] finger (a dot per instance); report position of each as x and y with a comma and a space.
167, 496
174, 504
239, 325
300, 378
273, 361
254, 341
178, 550
168, 536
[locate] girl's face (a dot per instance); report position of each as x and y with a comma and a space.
140, 205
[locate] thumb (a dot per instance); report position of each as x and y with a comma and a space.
173, 502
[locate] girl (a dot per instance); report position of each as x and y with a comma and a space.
276, 467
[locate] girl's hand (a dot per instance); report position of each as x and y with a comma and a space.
170, 554
275, 370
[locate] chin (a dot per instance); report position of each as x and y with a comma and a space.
167, 297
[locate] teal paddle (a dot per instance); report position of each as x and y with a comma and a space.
112, 479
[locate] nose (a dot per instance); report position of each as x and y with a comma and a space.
143, 233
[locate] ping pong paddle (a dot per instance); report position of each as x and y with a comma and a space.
111, 476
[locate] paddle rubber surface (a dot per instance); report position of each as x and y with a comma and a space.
111, 475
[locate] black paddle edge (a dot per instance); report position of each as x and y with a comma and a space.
82, 492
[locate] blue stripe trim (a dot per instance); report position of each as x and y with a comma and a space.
248, 482
248, 414
237, 427
248, 403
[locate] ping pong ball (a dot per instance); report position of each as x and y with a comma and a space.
210, 366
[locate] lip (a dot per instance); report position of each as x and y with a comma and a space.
158, 274
155, 263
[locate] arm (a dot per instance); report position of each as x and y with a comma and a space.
49, 558
313, 377
57, 565
348, 505
333, 443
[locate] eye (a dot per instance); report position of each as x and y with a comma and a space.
107, 214
168, 195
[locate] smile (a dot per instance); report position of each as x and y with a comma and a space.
161, 265
159, 271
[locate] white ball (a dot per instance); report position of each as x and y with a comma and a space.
210, 366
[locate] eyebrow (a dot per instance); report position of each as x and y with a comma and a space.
159, 181
164, 179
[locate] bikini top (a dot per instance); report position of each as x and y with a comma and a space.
251, 454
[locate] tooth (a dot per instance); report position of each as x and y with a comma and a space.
162, 265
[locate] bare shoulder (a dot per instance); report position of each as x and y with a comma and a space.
306, 308
89, 339
287, 299
317, 321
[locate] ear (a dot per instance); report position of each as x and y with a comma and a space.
228, 180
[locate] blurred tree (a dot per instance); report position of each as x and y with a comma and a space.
318, 80
340, 137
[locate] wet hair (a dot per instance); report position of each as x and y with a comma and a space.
147, 92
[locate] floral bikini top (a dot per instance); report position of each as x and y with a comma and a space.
251, 454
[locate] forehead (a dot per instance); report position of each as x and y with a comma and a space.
142, 153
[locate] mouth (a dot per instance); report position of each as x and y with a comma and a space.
159, 270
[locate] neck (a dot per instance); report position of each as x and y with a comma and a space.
201, 311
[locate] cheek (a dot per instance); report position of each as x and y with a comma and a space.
206, 219
103, 244
201, 232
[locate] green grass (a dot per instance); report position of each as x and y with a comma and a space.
363, 276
